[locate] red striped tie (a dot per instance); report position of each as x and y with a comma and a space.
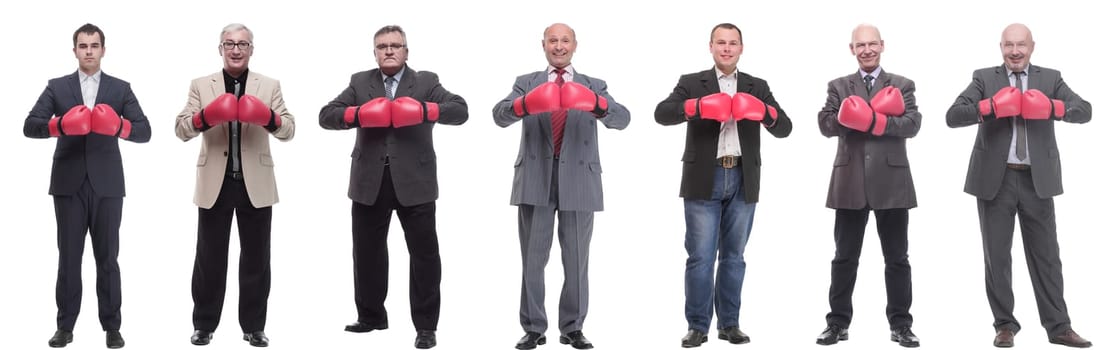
558, 118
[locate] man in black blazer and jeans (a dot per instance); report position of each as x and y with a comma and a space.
88, 112
723, 110
394, 168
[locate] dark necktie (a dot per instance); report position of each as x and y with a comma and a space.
389, 83
868, 83
558, 118
234, 135
1020, 127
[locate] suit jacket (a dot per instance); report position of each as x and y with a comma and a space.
96, 156
702, 135
871, 171
987, 163
257, 164
579, 171
409, 150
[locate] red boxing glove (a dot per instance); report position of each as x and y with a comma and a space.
748, 107
856, 114
222, 109
252, 110
543, 98
1005, 103
376, 113
717, 107
407, 111
889, 102
106, 122
75, 122
1037, 106
579, 97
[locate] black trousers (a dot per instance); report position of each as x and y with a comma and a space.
212, 259
370, 258
1040, 247
75, 214
848, 234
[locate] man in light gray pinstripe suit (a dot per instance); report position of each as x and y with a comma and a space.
558, 169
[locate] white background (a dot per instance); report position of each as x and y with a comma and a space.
637, 259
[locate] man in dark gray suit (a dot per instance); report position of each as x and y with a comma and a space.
394, 168
558, 169
1015, 168
80, 111
870, 174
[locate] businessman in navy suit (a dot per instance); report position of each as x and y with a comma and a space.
557, 173
88, 112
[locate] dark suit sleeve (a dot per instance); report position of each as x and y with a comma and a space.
332, 115
618, 116
1077, 109
35, 126
502, 113
452, 109
782, 127
827, 117
671, 111
141, 128
908, 124
966, 109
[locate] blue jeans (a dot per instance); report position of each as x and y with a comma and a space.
717, 229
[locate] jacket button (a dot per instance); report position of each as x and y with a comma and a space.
226, 153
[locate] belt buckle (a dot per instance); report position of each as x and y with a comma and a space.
728, 162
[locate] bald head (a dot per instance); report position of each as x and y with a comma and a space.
1016, 46
867, 46
559, 43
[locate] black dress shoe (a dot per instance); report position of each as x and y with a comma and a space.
576, 339
361, 327
832, 334
114, 340
1005, 338
60, 339
530, 340
694, 339
733, 335
201, 337
425, 339
1071, 339
257, 339
904, 337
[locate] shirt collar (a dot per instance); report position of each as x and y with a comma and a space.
95, 76
398, 75
875, 73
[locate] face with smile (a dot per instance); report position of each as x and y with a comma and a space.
559, 43
1016, 45
236, 48
867, 46
725, 45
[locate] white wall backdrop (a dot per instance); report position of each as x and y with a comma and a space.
637, 259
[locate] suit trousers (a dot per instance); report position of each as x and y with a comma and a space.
75, 214
536, 234
211, 259
1040, 245
370, 258
848, 236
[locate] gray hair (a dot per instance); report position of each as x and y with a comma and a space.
235, 27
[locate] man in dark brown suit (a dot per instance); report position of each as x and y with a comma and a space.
870, 173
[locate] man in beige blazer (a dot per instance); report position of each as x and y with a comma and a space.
234, 111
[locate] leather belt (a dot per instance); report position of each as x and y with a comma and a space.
1013, 166
728, 162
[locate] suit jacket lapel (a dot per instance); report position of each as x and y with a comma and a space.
1035, 78
404, 86
856, 86
709, 82
743, 83
252, 84
75, 87
217, 88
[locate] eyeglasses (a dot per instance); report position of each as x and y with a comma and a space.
395, 47
243, 45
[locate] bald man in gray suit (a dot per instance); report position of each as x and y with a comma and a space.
558, 169
1015, 168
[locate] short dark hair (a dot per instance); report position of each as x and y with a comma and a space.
90, 29
391, 29
726, 26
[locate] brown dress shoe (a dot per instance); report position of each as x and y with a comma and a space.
1005, 338
1071, 339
